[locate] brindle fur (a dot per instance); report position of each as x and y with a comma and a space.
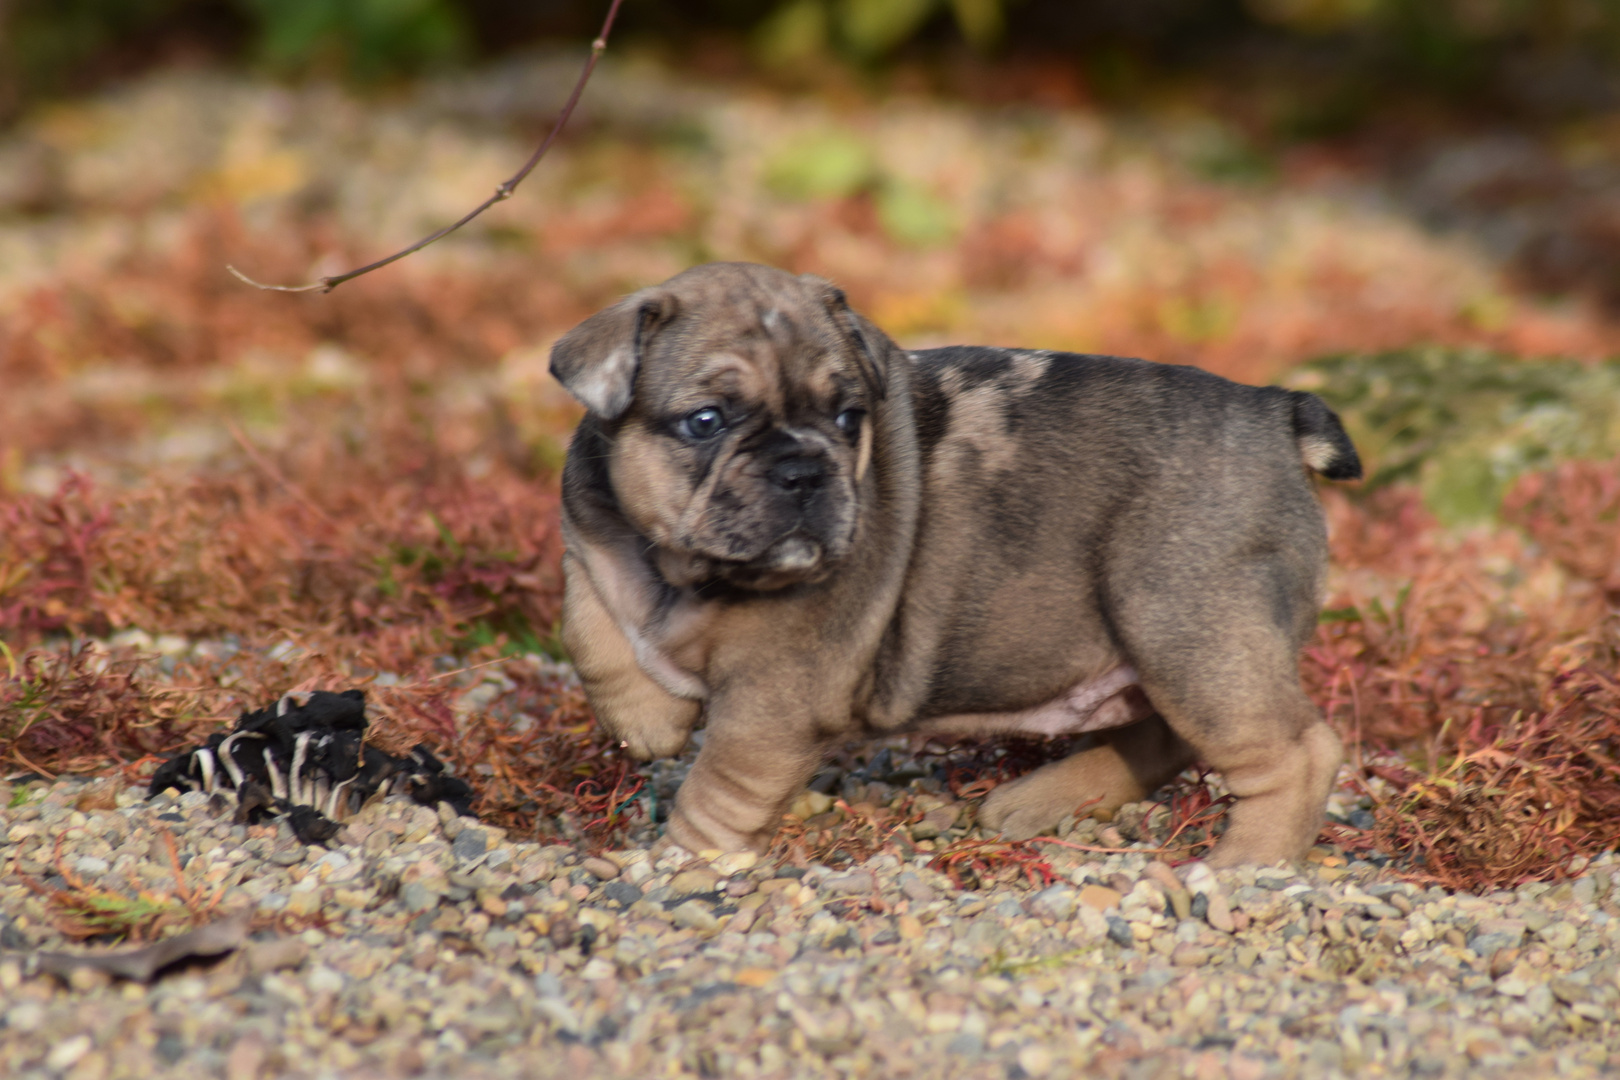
1013, 540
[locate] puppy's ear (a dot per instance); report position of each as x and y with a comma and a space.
872, 346
597, 360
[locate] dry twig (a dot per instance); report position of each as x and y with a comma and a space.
501, 194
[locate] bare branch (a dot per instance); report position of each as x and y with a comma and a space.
502, 193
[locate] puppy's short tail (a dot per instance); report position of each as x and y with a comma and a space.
1323, 445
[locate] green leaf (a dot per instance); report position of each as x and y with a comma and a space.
980, 21
794, 33
873, 27
912, 215
826, 165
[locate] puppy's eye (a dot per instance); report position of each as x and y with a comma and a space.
849, 421
703, 424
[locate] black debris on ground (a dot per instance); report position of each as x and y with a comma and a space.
306, 757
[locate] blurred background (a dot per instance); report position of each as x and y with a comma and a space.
1409, 206
1243, 184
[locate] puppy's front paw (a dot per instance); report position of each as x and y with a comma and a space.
702, 833
651, 744
1022, 809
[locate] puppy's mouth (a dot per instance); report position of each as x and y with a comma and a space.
794, 553
792, 560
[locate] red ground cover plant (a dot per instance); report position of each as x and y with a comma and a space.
1474, 675
1573, 512
1481, 703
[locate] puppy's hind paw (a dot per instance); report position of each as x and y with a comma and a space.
1018, 813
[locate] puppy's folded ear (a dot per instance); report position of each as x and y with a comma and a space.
872, 346
597, 360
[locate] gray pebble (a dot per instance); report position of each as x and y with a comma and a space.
622, 892
417, 897
469, 845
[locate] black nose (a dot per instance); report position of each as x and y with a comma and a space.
799, 474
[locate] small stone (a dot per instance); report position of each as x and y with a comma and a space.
304, 902
693, 882
1185, 955
1119, 931
599, 868
65, 1054
853, 882
1056, 900
1161, 874
1383, 911
1035, 1059
1219, 914
925, 830
621, 892
469, 844
1512, 986
916, 889
1493, 935
1199, 878
25, 1017
287, 856
449, 821
695, 915
323, 979
418, 897
85, 979
809, 804
733, 863
89, 864
1100, 897
1559, 936
1568, 990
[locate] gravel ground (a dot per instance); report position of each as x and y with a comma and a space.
424, 943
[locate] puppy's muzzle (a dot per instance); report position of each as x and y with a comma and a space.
801, 475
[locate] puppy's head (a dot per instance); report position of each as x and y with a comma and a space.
738, 399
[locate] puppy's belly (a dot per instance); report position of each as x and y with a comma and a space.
1110, 700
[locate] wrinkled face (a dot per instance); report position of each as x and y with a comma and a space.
749, 432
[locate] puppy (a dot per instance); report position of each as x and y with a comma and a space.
781, 525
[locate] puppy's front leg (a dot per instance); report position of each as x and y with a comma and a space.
652, 722
743, 780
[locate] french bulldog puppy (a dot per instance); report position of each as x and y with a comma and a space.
784, 527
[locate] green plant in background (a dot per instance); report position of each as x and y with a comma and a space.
367, 38
45, 41
836, 164
800, 30
48, 45
1464, 423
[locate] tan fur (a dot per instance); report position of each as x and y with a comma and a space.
1006, 542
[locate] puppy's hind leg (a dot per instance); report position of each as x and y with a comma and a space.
1131, 764
630, 706
1242, 709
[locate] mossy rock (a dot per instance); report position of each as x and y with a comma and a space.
1463, 424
